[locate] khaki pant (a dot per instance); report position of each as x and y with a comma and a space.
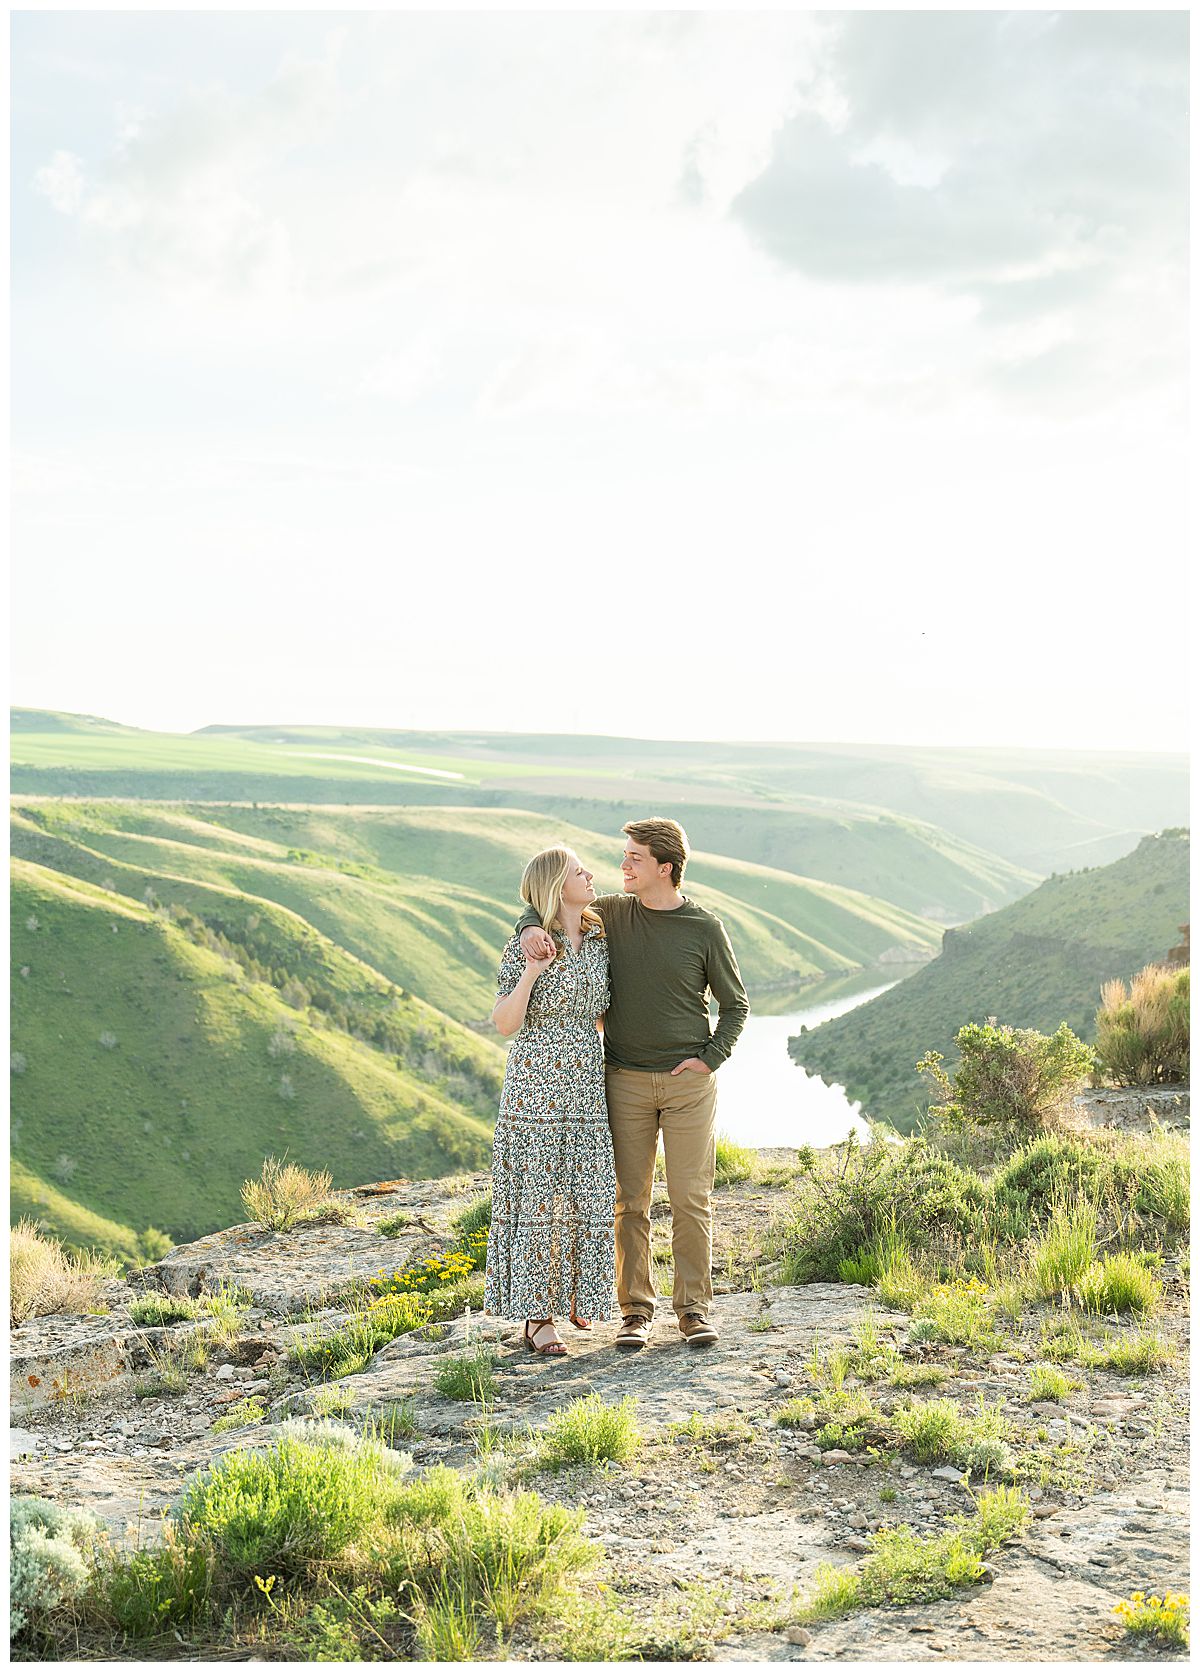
685, 1107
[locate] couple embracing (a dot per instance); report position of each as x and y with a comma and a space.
608, 999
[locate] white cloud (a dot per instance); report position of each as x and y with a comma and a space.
61, 180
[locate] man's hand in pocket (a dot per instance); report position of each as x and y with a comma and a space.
691, 1065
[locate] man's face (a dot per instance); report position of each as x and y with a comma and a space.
639, 868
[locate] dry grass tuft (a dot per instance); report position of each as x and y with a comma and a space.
44, 1277
285, 1195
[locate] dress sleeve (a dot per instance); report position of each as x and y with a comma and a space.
512, 968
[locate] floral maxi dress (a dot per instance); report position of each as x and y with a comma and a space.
551, 1247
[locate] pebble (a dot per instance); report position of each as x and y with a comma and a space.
829, 1458
858, 1544
858, 1519
225, 1372
797, 1634
948, 1472
782, 1379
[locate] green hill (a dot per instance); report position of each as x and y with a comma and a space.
1031, 811
427, 896
1036, 963
152, 1073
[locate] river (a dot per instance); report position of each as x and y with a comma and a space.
764, 1098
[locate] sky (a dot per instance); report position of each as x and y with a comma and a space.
783, 375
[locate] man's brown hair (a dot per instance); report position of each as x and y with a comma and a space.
666, 840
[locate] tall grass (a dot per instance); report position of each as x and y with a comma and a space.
1066, 1249
1143, 1034
285, 1194
734, 1163
44, 1278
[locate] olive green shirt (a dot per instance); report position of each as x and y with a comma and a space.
662, 966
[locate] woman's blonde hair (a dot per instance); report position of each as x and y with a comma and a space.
542, 886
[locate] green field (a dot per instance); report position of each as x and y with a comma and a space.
1036, 963
1030, 811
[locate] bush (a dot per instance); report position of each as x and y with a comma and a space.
734, 1163
589, 1431
476, 1216
51, 1552
1143, 1035
301, 1501
1119, 1283
1010, 1078
44, 1277
157, 1590
285, 1195
465, 1553
938, 1429
858, 1196
1064, 1252
245, 1412
1046, 1382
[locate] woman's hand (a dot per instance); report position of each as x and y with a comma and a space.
537, 966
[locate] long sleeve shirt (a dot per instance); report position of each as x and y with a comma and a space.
662, 966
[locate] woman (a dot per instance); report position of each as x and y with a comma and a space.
550, 1247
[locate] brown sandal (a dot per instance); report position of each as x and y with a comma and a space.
580, 1323
552, 1349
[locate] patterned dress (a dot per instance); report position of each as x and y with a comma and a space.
550, 1249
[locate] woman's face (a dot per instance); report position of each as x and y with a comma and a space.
578, 889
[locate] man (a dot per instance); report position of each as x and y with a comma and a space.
666, 954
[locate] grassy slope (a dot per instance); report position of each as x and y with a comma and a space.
1038, 809
163, 1128
1039, 962
428, 896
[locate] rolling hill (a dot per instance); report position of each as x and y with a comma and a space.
152, 1071
1033, 811
1036, 963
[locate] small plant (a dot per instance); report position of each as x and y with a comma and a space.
795, 1413
1064, 1252
344, 1351
474, 1217
51, 1552
1164, 1619
938, 1429
887, 1494
153, 1309
1047, 1382
1119, 1283
588, 1431
734, 1163
169, 1369
246, 1411
720, 1429
157, 1590
285, 1195
398, 1222
467, 1377
1134, 1355
918, 1376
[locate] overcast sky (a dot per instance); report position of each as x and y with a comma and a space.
782, 375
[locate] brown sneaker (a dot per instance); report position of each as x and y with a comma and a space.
696, 1330
633, 1333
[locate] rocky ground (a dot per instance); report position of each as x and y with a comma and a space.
747, 1508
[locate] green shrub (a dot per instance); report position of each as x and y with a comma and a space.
1143, 1035
902, 1567
155, 1309
1135, 1355
794, 1412
589, 1431
344, 1351
51, 1554
245, 1412
300, 1501
1046, 1382
856, 1196
475, 1216
918, 1376
1049, 1170
156, 1590
467, 1377
465, 1553
734, 1162
938, 1429
1010, 1078
1119, 1283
